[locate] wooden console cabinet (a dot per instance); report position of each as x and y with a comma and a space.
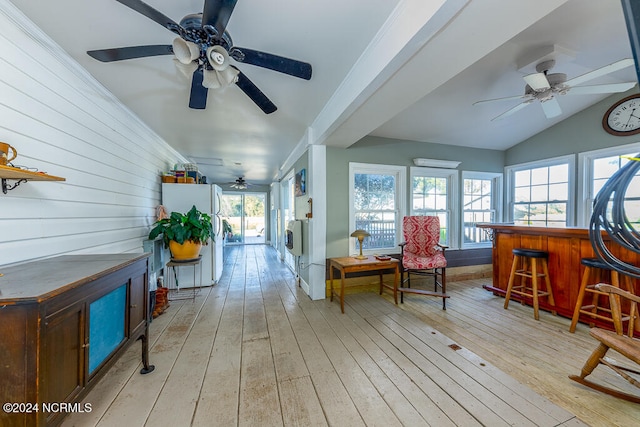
63, 323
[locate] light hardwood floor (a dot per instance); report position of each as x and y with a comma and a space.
254, 350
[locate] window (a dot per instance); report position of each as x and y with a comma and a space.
541, 193
376, 205
434, 192
596, 168
480, 200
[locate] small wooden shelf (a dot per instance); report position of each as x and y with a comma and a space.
22, 175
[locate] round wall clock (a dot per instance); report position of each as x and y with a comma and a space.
623, 118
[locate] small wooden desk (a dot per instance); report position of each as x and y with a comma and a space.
350, 264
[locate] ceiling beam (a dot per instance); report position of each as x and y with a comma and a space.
421, 50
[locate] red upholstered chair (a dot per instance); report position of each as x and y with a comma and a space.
423, 255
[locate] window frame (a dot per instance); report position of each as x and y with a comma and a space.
496, 202
453, 199
585, 172
509, 176
400, 173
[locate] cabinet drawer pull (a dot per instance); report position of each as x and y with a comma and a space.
85, 345
133, 306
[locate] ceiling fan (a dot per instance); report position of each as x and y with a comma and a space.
203, 50
543, 86
240, 184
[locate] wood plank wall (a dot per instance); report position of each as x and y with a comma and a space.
62, 121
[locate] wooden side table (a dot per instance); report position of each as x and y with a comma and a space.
350, 264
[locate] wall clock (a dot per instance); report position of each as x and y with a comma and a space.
623, 118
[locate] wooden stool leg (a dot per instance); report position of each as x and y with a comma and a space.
512, 277
634, 322
534, 285
583, 287
522, 281
547, 281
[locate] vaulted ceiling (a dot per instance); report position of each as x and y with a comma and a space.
403, 69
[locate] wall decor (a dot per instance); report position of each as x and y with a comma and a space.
301, 183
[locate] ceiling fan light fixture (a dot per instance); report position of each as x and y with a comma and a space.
210, 79
228, 76
186, 69
185, 51
213, 79
218, 57
239, 184
537, 81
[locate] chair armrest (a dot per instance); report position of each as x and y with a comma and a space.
613, 290
616, 307
402, 245
443, 247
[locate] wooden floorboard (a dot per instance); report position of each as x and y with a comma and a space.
255, 350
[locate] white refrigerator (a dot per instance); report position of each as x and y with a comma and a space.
206, 198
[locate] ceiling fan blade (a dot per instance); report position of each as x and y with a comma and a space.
551, 108
508, 98
198, 97
511, 111
272, 62
619, 65
255, 94
605, 88
152, 14
217, 14
537, 81
132, 52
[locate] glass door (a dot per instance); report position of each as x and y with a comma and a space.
243, 217
254, 217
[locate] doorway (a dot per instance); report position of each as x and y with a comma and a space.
244, 218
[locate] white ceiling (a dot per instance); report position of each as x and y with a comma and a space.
403, 69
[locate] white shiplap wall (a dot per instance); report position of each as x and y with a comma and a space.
63, 122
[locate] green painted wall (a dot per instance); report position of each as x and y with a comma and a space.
389, 152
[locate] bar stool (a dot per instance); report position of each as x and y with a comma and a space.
529, 258
595, 272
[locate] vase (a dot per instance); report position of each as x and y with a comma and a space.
184, 251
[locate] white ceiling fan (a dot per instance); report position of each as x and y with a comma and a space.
544, 87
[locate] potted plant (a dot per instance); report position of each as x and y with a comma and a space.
184, 234
227, 231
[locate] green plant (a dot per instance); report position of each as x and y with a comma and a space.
226, 227
193, 225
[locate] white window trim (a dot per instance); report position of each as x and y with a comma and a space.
496, 201
509, 172
453, 199
401, 190
585, 172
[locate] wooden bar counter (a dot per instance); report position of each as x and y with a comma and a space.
566, 247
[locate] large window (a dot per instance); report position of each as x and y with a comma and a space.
434, 192
541, 193
480, 203
596, 168
376, 205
